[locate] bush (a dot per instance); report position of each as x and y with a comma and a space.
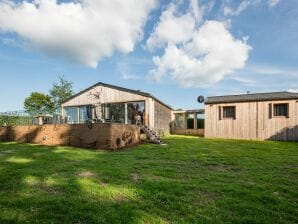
14, 120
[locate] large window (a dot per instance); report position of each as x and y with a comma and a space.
281, 110
76, 115
135, 110
115, 112
190, 119
179, 121
85, 114
229, 112
72, 114
200, 120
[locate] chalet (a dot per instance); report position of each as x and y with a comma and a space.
260, 116
109, 103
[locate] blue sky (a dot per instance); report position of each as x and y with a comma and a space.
175, 50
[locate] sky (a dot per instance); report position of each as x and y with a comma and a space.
175, 50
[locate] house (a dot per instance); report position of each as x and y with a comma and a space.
189, 122
109, 103
261, 116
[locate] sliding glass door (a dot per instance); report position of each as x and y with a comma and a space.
79, 114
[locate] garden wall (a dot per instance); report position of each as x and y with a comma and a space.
195, 132
97, 136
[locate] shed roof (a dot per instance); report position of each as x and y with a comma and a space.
252, 97
138, 92
202, 111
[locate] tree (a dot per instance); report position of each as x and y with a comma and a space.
60, 92
38, 104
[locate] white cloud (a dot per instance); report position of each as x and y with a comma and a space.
84, 31
273, 70
272, 3
172, 28
228, 11
292, 90
210, 55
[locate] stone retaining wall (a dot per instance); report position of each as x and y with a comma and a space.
97, 136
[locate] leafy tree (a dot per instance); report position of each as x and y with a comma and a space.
38, 104
60, 92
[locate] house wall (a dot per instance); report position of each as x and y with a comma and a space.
162, 118
97, 136
252, 122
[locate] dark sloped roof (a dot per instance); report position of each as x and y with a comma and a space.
252, 97
190, 111
138, 92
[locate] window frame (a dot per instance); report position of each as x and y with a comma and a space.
183, 123
190, 118
274, 105
223, 112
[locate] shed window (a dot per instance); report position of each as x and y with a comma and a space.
281, 109
229, 112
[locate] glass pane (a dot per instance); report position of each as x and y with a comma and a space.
179, 121
190, 121
135, 112
85, 114
115, 112
72, 114
228, 112
280, 110
200, 121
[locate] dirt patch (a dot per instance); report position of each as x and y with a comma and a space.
50, 190
224, 168
206, 198
87, 174
37, 154
135, 177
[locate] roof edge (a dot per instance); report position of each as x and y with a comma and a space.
137, 92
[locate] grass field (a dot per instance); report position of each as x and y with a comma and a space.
190, 180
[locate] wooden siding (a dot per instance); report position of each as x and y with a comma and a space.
252, 122
162, 118
108, 95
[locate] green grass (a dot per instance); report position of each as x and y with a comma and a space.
190, 180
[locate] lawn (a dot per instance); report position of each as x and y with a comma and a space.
189, 180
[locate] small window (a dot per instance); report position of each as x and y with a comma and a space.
229, 112
281, 110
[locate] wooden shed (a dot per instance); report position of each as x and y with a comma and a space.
109, 103
261, 116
